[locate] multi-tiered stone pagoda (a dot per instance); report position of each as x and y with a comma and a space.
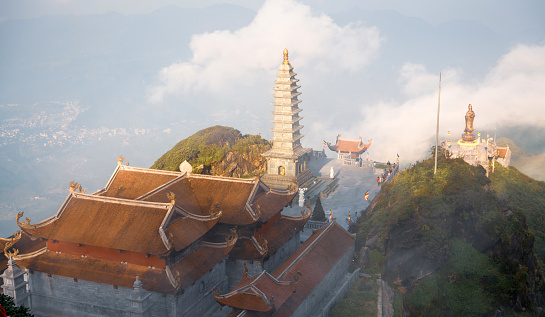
286, 161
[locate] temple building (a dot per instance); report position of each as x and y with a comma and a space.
477, 151
286, 160
156, 243
302, 284
349, 151
152, 243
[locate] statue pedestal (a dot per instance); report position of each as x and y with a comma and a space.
468, 137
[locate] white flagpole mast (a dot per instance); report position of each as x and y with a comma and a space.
437, 130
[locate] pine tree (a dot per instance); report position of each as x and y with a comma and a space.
11, 310
318, 213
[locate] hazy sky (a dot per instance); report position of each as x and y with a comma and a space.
357, 78
503, 16
366, 68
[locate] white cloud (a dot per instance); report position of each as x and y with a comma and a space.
512, 94
222, 60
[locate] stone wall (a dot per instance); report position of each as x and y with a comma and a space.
323, 290
282, 253
234, 267
198, 298
62, 296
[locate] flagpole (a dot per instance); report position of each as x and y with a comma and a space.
437, 130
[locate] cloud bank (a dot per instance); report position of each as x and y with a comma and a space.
224, 59
511, 94
333, 63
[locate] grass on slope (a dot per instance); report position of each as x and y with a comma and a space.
524, 194
209, 145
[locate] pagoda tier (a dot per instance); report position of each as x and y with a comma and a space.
286, 138
286, 160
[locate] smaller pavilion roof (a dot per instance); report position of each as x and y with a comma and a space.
349, 146
256, 293
502, 151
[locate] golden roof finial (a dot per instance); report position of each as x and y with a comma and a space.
286, 61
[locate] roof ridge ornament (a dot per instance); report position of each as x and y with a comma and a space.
22, 224
215, 209
10, 254
265, 246
286, 60
73, 186
172, 197
120, 160
232, 237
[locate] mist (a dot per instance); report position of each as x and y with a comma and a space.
330, 60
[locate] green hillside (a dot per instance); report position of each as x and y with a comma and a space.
211, 145
458, 243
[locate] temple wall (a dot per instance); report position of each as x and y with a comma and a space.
235, 266
282, 253
234, 270
63, 296
323, 290
197, 299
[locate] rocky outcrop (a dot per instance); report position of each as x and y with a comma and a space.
235, 164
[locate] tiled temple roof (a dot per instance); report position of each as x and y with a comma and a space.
106, 222
186, 272
268, 242
260, 293
199, 262
353, 146
241, 201
312, 261
202, 194
96, 270
269, 202
132, 182
20, 242
130, 225
502, 151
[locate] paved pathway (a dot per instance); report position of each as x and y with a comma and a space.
349, 196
